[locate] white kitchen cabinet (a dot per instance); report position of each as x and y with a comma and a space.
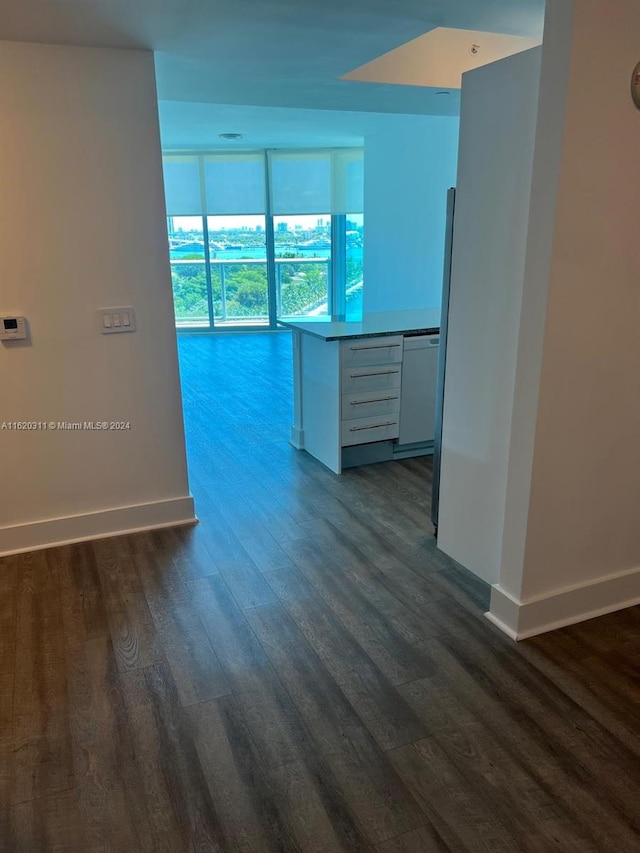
368, 403
353, 402
384, 378
419, 371
365, 352
375, 414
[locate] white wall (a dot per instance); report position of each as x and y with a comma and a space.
571, 543
410, 163
497, 134
82, 227
541, 225
585, 493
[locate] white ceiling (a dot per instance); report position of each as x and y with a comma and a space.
188, 125
275, 53
440, 57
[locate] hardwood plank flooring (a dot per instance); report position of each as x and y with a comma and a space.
423, 840
239, 783
50, 823
103, 749
172, 776
302, 671
42, 758
388, 718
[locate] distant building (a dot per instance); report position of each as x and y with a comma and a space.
283, 227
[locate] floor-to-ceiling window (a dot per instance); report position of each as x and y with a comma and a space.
259, 236
302, 264
354, 264
238, 261
188, 271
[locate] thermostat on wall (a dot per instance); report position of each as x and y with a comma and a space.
13, 329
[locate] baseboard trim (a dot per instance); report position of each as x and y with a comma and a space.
52, 532
401, 452
297, 438
523, 619
504, 628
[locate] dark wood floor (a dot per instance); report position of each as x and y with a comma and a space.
302, 671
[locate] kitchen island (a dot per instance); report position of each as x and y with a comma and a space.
364, 391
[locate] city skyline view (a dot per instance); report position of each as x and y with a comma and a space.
230, 283
253, 223
235, 264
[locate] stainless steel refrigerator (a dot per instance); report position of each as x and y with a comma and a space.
442, 358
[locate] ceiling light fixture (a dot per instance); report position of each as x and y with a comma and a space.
230, 137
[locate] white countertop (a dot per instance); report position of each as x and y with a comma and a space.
421, 321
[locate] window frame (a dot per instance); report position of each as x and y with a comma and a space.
337, 278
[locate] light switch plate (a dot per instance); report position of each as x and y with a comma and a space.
116, 320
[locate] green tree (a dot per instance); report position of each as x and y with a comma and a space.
246, 289
189, 291
354, 271
303, 287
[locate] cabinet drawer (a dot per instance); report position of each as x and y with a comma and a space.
366, 430
370, 403
378, 377
365, 351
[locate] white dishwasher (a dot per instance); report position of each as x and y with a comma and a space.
419, 369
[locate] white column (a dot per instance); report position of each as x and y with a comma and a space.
571, 546
297, 430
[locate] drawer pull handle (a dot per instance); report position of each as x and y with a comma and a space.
377, 400
376, 346
373, 426
377, 373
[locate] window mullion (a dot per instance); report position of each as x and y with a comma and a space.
205, 236
338, 281
207, 270
270, 246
